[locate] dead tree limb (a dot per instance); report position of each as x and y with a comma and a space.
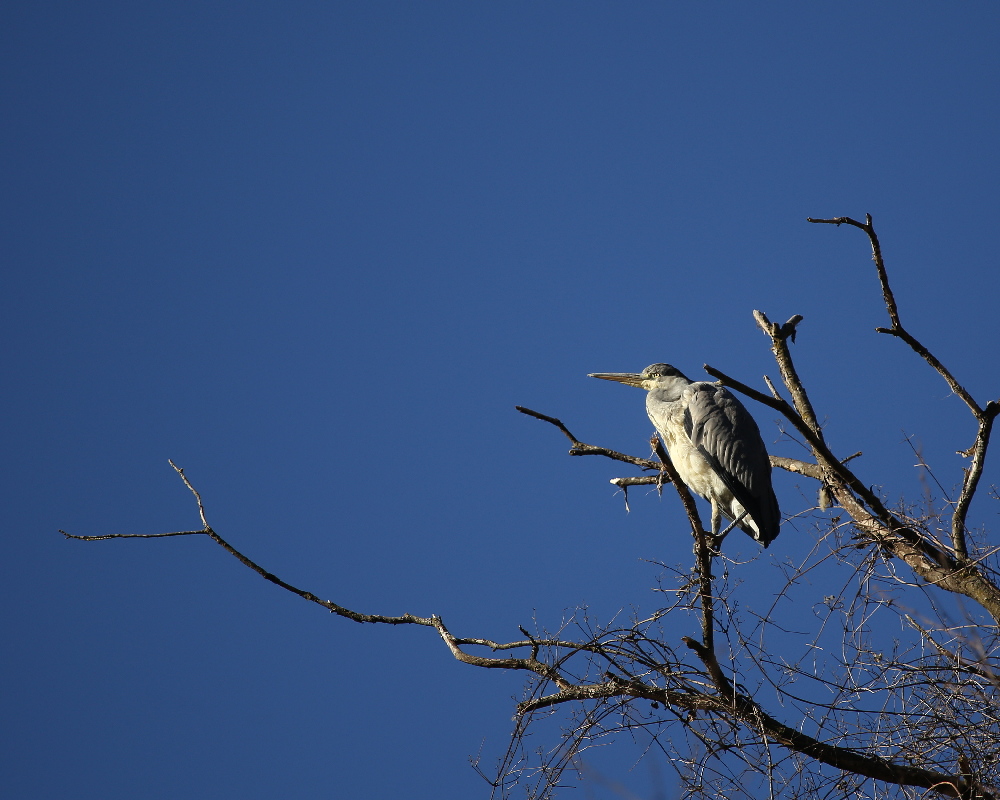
939, 727
984, 415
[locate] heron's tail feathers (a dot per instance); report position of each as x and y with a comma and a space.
761, 523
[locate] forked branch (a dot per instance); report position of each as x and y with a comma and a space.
984, 416
927, 558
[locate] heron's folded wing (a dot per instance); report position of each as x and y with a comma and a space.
729, 439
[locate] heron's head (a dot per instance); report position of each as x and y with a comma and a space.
655, 376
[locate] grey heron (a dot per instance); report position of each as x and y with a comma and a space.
715, 446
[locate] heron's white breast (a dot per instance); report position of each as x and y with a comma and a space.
691, 465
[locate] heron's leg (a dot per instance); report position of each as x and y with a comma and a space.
720, 536
716, 518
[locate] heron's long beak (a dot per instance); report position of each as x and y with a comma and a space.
628, 378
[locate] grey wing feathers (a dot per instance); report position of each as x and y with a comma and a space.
729, 439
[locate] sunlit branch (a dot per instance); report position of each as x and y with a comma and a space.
984, 416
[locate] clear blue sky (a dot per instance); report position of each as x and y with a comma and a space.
315, 252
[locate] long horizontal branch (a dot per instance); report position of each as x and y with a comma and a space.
454, 644
329, 605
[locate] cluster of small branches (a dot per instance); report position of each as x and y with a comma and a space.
746, 708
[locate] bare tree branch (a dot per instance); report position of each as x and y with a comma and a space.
453, 643
890, 304
581, 449
972, 476
984, 416
927, 558
866, 715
